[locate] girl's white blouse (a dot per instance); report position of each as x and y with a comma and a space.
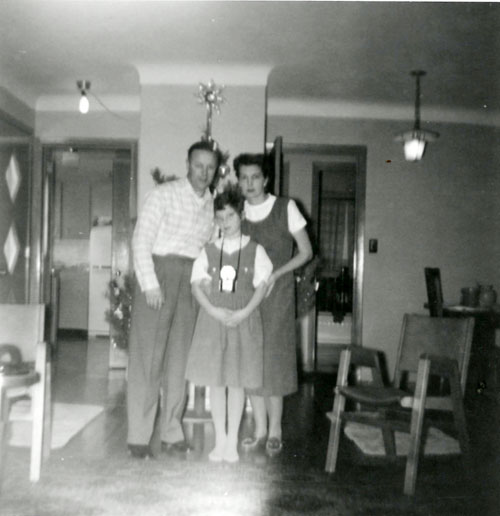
263, 266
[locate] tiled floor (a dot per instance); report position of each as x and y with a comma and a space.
93, 468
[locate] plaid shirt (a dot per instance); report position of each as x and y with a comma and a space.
173, 220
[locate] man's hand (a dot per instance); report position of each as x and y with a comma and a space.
154, 298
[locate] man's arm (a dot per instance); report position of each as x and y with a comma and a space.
143, 240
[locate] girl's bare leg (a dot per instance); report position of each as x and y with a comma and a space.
235, 404
218, 408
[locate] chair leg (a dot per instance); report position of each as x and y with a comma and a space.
4, 419
338, 408
389, 442
459, 417
334, 438
388, 437
47, 415
38, 403
417, 421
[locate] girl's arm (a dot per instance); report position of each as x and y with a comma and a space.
303, 255
221, 314
238, 316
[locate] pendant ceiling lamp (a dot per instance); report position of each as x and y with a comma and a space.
414, 141
83, 105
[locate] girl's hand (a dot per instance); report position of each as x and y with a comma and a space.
221, 314
236, 318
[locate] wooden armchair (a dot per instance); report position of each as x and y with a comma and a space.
428, 346
22, 337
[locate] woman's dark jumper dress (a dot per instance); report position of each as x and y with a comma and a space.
278, 310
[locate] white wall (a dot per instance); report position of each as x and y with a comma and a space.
442, 211
172, 119
15, 109
60, 126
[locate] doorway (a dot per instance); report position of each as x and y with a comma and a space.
336, 177
89, 208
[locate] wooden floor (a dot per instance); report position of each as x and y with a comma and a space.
362, 485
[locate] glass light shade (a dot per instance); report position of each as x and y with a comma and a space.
84, 104
414, 149
414, 143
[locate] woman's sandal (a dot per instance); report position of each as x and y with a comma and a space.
274, 446
253, 443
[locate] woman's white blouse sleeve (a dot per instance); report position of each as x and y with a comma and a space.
263, 266
296, 220
200, 268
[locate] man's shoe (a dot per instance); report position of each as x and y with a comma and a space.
178, 449
140, 451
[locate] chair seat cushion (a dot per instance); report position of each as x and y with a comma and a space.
370, 395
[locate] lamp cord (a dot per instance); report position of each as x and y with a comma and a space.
106, 107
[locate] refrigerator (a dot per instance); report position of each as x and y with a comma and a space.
99, 278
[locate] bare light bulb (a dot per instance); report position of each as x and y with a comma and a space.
84, 105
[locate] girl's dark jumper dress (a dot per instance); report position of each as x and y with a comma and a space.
221, 355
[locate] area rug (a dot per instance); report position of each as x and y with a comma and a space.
68, 420
369, 440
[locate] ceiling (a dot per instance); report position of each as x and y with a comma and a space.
336, 51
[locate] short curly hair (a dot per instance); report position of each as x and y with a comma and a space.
247, 159
230, 196
209, 146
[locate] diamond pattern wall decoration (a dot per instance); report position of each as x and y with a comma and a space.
13, 177
11, 249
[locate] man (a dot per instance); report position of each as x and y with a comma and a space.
176, 221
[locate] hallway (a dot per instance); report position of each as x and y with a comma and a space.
93, 474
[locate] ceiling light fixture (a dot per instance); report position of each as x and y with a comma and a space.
84, 105
416, 139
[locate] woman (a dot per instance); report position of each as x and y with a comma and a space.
279, 227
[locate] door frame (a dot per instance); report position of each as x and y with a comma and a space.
44, 239
355, 154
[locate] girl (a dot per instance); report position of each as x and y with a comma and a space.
229, 280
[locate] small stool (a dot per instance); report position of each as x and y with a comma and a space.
196, 411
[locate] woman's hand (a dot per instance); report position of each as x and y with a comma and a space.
270, 284
206, 286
